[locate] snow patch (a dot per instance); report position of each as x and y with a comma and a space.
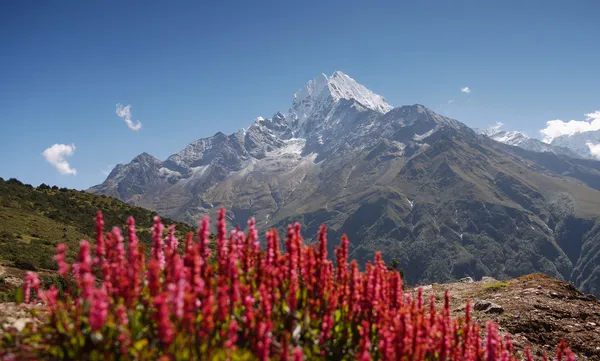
198, 171
423, 136
167, 172
339, 86
292, 146
343, 86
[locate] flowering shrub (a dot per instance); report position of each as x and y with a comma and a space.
181, 302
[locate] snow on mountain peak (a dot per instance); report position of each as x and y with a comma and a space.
338, 86
343, 86
504, 136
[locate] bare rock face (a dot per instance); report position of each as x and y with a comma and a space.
422, 188
488, 307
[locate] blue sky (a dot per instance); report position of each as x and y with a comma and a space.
191, 69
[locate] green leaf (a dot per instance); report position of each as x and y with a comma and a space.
19, 295
337, 315
141, 344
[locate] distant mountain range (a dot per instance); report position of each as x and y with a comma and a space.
427, 190
579, 145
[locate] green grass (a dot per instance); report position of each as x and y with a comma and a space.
34, 220
495, 286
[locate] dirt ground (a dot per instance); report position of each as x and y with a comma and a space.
537, 310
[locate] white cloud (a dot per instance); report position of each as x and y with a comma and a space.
56, 154
451, 101
594, 149
465, 90
496, 127
556, 128
108, 169
124, 112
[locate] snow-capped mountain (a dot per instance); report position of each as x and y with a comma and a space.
328, 115
320, 94
423, 188
284, 146
585, 144
519, 139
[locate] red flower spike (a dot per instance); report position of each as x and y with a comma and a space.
135, 261
163, 322
322, 244
100, 250
98, 309
84, 259
232, 337
158, 252
172, 241
32, 282
248, 298
59, 257
154, 280
298, 356
204, 238
365, 343
492, 341
263, 346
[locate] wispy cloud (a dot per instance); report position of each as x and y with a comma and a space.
106, 171
496, 127
594, 149
556, 128
465, 90
451, 101
56, 154
124, 112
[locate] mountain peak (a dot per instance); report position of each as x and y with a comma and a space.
145, 156
324, 90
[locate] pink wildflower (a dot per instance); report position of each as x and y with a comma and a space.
263, 346
172, 241
32, 281
157, 242
365, 343
59, 257
121, 314
98, 309
298, 356
100, 250
204, 239
165, 327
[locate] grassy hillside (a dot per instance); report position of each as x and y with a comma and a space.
33, 220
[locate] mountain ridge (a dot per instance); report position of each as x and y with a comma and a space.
578, 145
445, 201
33, 220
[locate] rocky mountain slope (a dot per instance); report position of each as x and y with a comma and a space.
443, 200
